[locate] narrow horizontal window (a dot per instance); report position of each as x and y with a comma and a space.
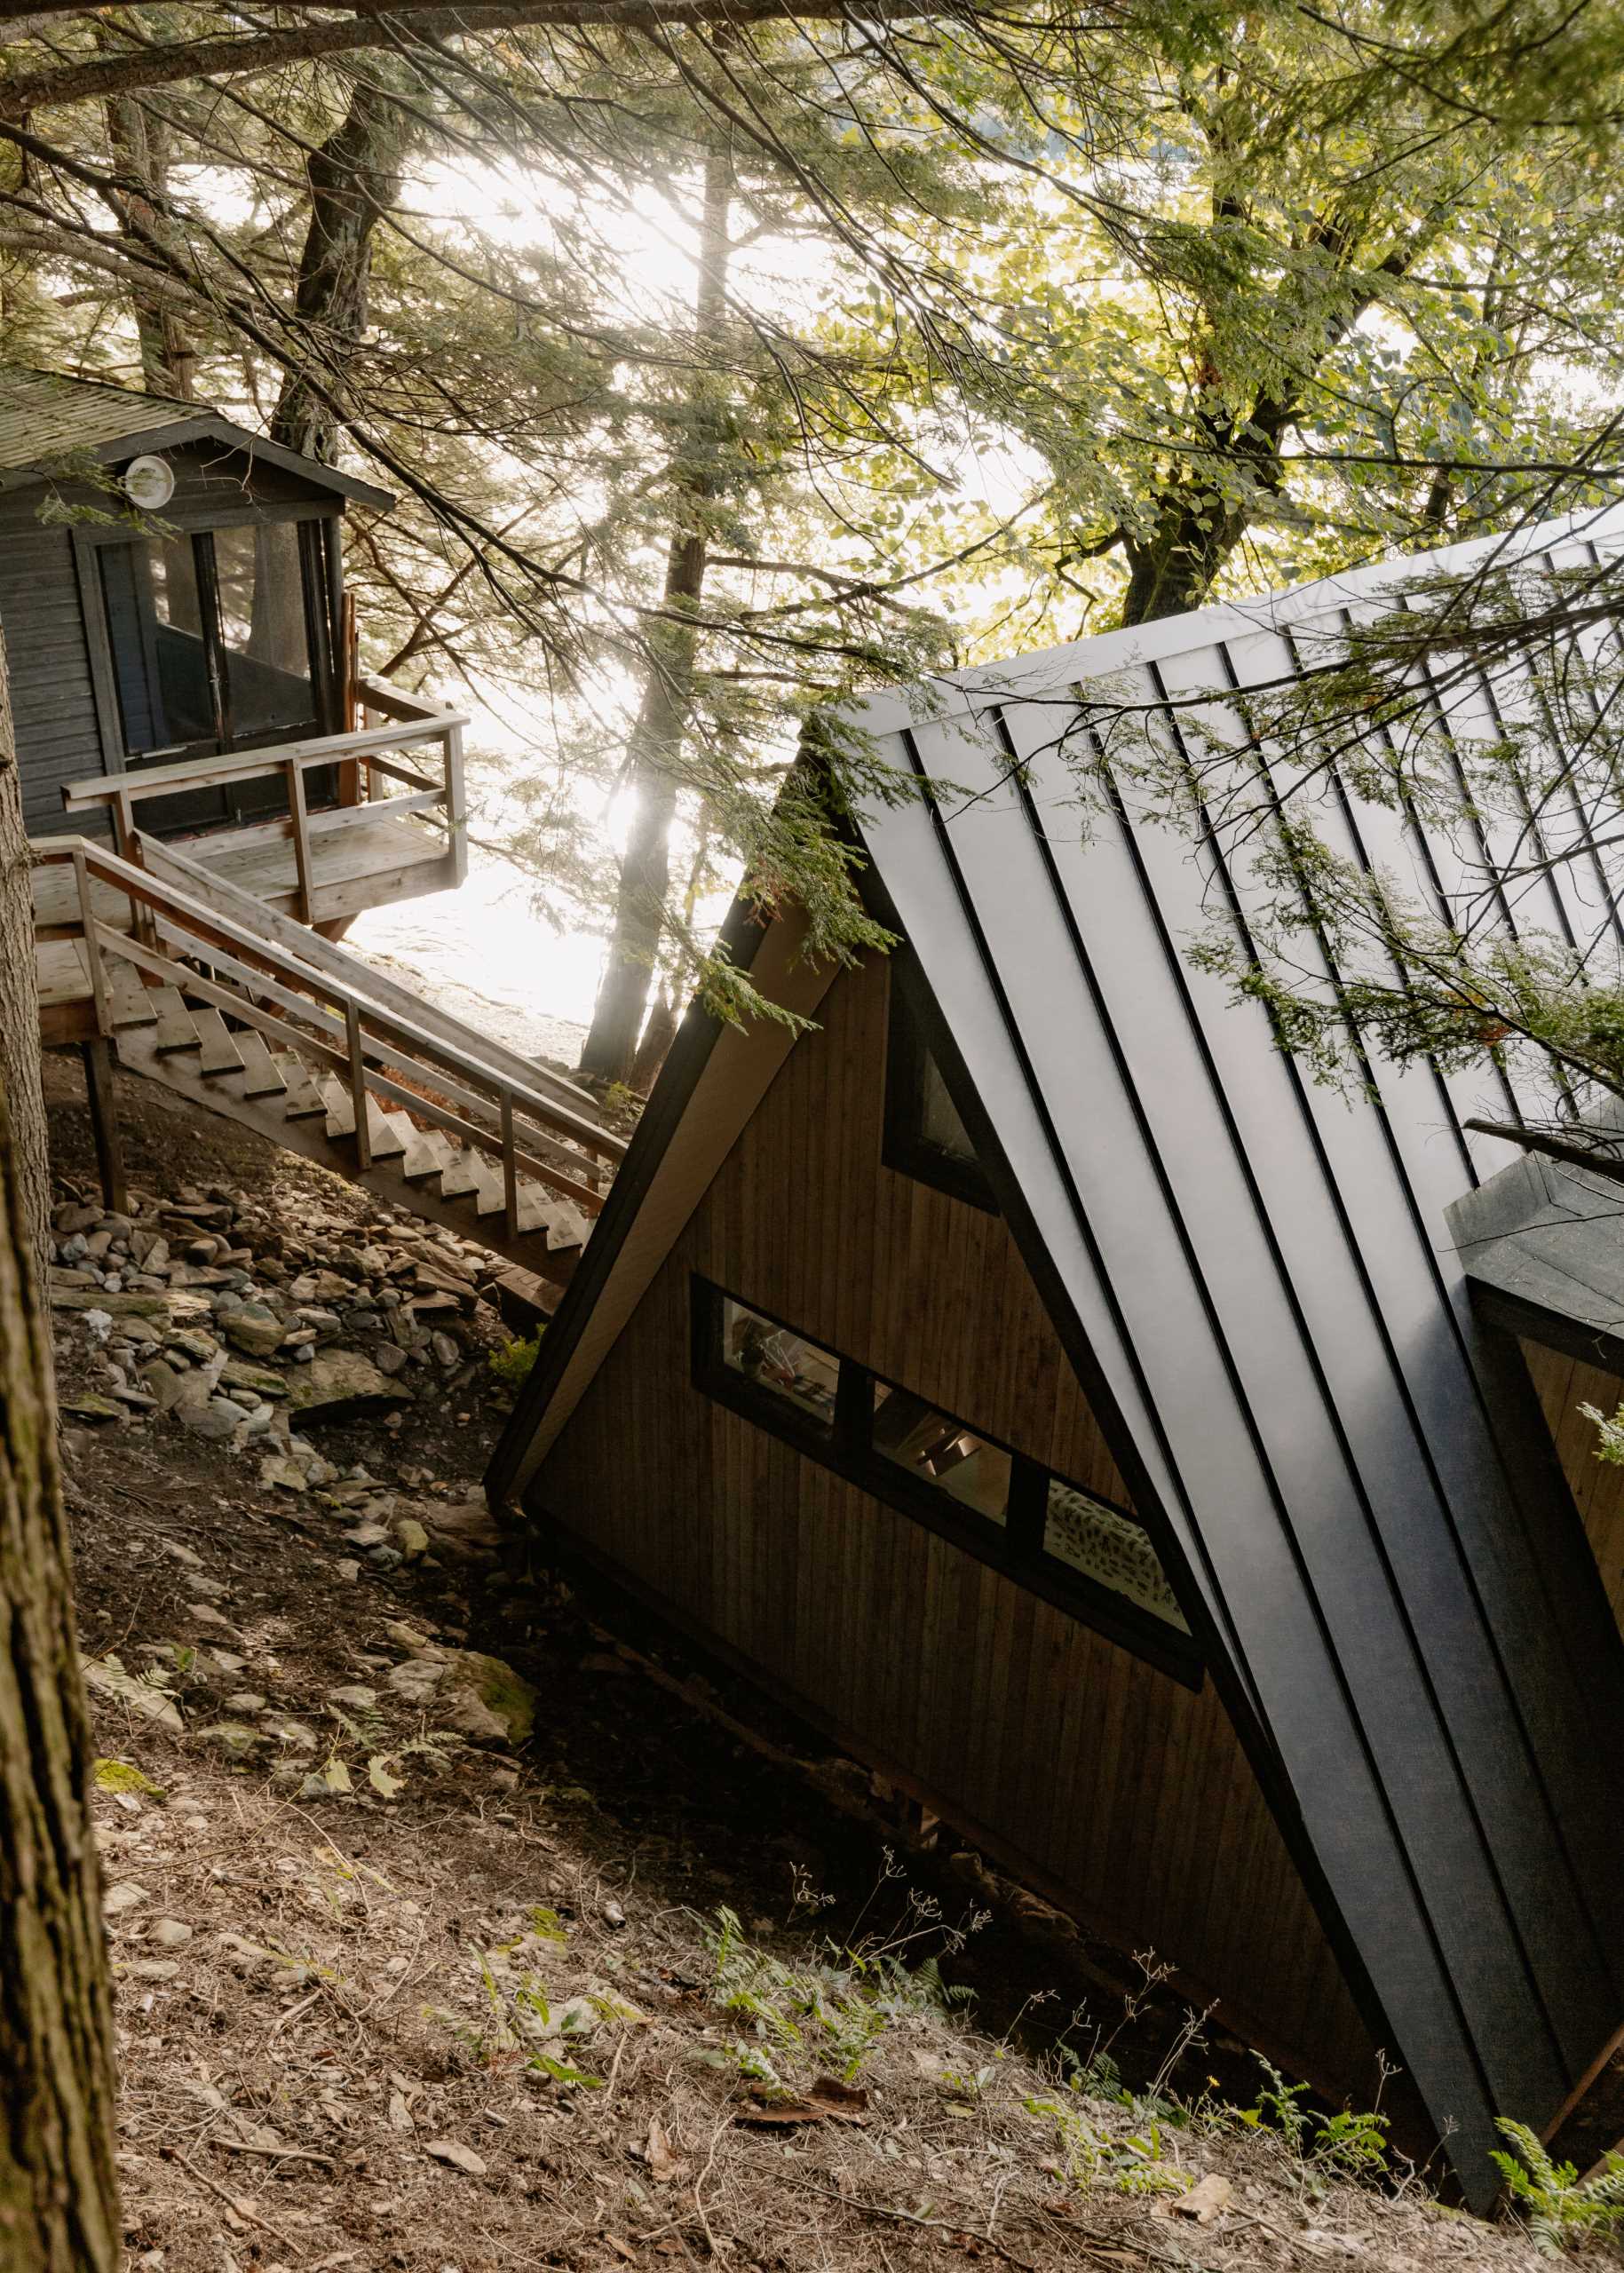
1091, 1558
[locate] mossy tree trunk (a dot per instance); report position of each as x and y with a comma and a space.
59, 2204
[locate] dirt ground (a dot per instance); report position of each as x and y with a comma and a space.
629, 1992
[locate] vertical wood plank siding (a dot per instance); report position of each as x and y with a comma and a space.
53, 698
1104, 1780
1564, 1384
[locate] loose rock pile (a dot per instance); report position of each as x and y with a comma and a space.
247, 1326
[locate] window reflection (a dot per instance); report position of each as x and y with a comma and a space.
941, 1451
779, 1362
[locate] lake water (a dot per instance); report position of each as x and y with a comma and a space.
485, 955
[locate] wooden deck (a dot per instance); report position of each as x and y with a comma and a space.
368, 865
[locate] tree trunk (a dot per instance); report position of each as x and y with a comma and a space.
58, 2201
654, 750
354, 178
19, 994
137, 146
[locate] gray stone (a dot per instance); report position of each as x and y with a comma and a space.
410, 1538
389, 1357
96, 1298
445, 1350
214, 1418
366, 1534
338, 1379
193, 1344
236, 1739
171, 1933
254, 1328
93, 1406
263, 1380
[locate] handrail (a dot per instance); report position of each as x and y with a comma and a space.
364, 749
357, 1043
251, 765
395, 701
201, 883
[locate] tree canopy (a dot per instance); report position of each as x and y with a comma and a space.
727, 358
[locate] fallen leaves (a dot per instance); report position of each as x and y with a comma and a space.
666, 2166
460, 2158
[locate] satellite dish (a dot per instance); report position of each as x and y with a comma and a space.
149, 483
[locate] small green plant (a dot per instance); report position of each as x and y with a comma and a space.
1090, 2157
1610, 1434
1562, 2208
513, 1362
827, 2012
1354, 2142
1277, 2109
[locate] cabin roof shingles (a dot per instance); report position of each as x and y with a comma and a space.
47, 417
44, 416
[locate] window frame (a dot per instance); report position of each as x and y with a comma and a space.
1014, 1548
904, 1144
317, 526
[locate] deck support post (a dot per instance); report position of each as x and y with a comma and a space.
97, 1055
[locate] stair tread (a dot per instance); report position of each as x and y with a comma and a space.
303, 1099
459, 1176
176, 1030
133, 1004
383, 1134
428, 1153
263, 1079
220, 1052
340, 1111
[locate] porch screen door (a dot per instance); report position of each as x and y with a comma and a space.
216, 645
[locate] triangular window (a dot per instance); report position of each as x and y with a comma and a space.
925, 1135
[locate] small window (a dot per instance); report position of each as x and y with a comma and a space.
1108, 1549
925, 1135
777, 1364
933, 1450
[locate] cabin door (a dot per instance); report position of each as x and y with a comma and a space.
217, 644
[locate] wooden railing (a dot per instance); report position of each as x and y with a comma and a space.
367, 758
448, 1079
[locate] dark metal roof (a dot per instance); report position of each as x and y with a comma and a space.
46, 418
1256, 1280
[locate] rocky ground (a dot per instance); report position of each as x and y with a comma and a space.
460, 1925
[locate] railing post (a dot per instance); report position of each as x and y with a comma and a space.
92, 946
297, 813
457, 811
358, 1086
509, 1168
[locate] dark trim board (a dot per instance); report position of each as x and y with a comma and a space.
1256, 1282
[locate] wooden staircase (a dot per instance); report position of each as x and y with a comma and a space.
244, 1011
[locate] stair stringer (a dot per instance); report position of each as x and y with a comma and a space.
177, 1070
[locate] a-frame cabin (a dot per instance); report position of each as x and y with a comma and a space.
1035, 1378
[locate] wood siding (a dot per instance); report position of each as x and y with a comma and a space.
52, 700
1108, 1783
1564, 1384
